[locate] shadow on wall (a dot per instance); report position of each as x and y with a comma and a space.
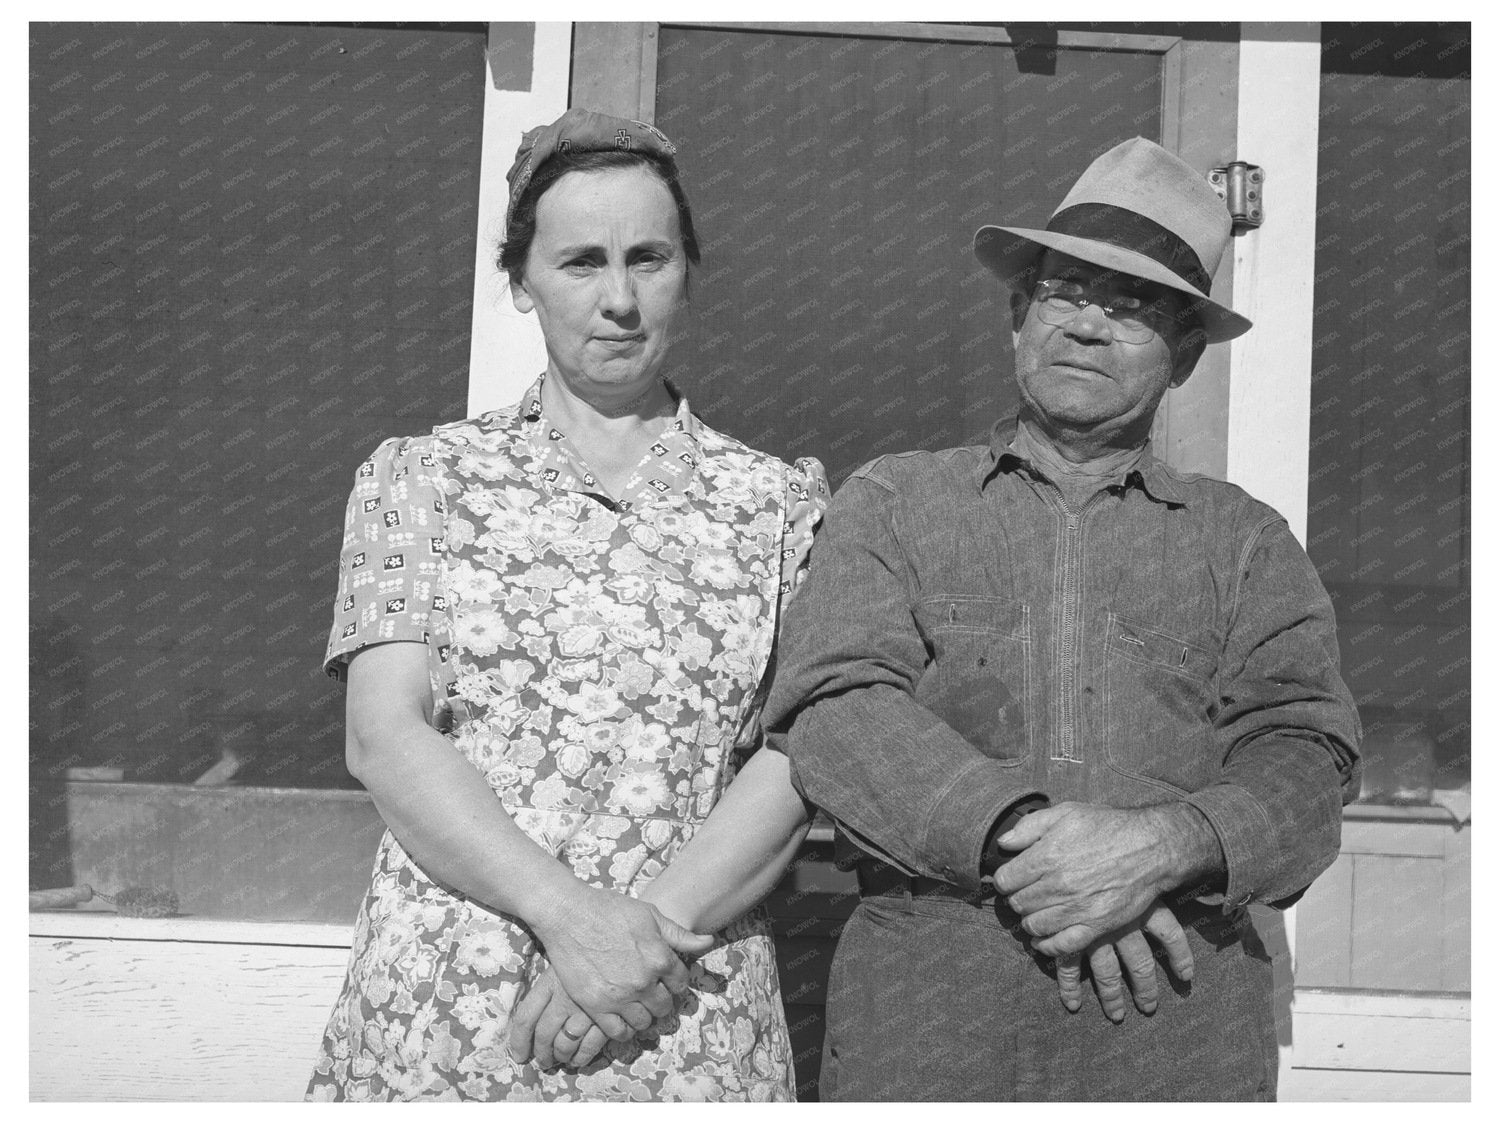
59, 701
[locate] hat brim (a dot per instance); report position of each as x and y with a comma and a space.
1009, 252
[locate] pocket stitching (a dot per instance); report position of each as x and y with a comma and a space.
934, 603
1114, 643
1115, 646
1020, 634
1182, 672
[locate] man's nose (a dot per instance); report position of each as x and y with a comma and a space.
1090, 323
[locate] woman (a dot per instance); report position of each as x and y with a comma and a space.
579, 595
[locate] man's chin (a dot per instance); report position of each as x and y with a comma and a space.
1073, 413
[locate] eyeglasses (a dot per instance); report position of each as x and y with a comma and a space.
1131, 319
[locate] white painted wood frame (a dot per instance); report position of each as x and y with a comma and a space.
1270, 368
506, 350
132, 1009
129, 1009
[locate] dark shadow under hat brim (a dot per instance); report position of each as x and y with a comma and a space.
1010, 252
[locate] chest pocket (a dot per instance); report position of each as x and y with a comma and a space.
979, 677
1158, 700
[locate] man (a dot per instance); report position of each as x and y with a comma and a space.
1046, 686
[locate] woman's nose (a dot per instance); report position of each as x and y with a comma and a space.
617, 297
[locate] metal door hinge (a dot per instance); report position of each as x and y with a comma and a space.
1239, 185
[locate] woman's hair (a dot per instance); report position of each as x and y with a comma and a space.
522, 228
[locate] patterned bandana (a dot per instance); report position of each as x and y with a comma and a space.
580, 130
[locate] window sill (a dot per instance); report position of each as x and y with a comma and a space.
1400, 813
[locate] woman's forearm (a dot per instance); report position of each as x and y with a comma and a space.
449, 820
436, 803
612, 954
741, 851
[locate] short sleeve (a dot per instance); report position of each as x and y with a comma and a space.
393, 544
806, 500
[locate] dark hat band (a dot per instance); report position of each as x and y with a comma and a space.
1130, 230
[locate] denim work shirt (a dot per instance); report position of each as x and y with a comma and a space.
966, 640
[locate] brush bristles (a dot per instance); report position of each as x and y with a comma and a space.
139, 902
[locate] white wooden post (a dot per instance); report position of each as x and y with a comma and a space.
506, 350
1270, 372
1270, 368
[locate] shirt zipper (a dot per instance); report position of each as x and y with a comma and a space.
1070, 629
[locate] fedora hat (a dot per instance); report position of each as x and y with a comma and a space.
1138, 209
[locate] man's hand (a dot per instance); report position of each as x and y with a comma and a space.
1086, 870
1127, 948
548, 1025
617, 958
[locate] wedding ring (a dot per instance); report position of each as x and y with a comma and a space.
569, 1035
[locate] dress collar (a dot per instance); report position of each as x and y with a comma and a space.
667, 468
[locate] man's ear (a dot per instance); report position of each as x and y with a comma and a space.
1189, 351
519, 296
1019, 303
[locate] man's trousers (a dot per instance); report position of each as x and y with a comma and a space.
937, 999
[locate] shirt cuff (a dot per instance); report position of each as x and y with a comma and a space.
960, 820
850, 847
1244, 832
993, 855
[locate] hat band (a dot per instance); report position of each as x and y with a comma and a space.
1130, 230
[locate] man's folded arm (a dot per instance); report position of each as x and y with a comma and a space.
861, 747
1286, 729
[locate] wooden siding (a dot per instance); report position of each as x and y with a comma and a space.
205, 1010
1394, 910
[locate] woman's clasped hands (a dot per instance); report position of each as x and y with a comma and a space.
615, 968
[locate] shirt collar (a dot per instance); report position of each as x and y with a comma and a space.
1149, 474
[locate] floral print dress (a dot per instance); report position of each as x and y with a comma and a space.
600, 663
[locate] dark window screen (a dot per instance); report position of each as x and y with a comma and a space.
251, 258
836, 185
1388, 496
